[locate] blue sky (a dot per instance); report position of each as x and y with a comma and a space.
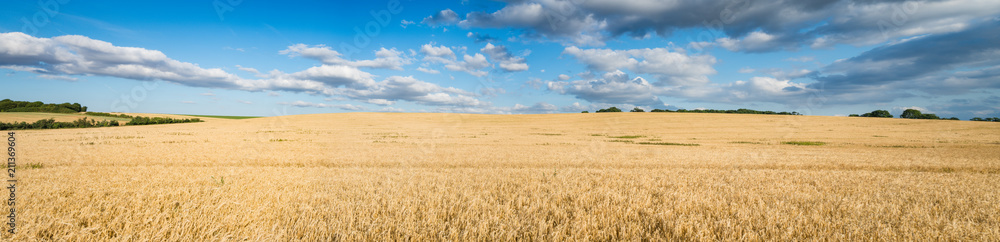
267, 58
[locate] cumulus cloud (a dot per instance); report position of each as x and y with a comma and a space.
74, 55
613, 87
302, 104
479, 38
952, 63
78, 55
429, 71
472, 64
669, 67
541, 107
384, 58
443, 17
405, 23
753, 26
506, 61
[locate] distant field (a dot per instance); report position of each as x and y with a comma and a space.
222, 117
552, 177
29, 117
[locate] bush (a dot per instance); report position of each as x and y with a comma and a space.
585, 112
52, 124
993, 119
657, 110
610, 110
854, 115
878, 114
915, 114
738, 111
637, 110
160, 120
108, 115
88, 123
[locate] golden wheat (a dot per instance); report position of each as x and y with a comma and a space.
377, 176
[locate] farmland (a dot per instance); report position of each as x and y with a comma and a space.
608, 176
29, 117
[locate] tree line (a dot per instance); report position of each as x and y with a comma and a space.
916, 114
908, 113
51, 123
737, 111
109, 115
8, 105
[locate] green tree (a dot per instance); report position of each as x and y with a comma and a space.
637, 110
878, 114
610, 110
911, 113
585, 112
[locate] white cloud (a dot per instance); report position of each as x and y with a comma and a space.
921, 109
749, 26
471, 64
384, 58
66, 56
612, 87
438, 54
248, 69
443, 17
305, 104
507, 62
405, 23
430, 71
61, 78
78, 55
671, 67
563, 77
541, 107
754, 42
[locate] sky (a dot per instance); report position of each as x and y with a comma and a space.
268, 58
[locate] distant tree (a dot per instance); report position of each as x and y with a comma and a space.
637, 110
916, 114
911, 113
657, 110
953, 118
610, 110
976, 119
585, 112
878, 114
854, 115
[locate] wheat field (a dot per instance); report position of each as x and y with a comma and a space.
31, 117
607, 176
